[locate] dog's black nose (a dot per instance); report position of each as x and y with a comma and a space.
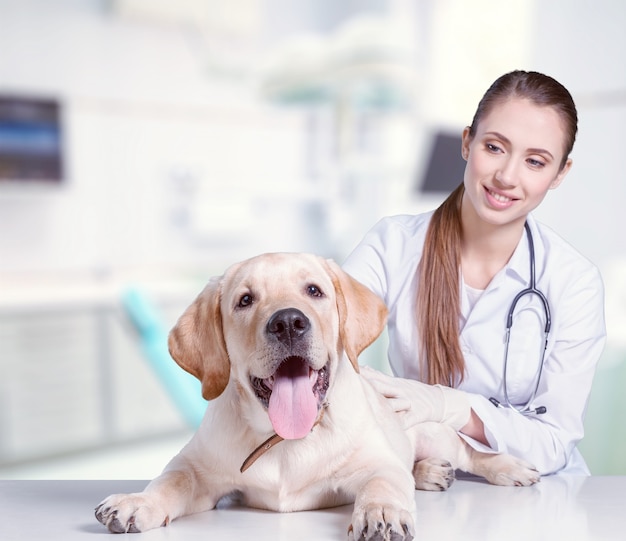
288, 324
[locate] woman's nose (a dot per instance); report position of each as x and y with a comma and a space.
506, 174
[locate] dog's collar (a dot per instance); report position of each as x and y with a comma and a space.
272, 441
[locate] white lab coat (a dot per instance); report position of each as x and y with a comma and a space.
386, 261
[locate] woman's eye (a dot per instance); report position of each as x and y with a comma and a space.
245, 300
492, 148
314, 291
535, 163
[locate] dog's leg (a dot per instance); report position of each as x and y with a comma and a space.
175, 493
383, 508
439, 451
497, 468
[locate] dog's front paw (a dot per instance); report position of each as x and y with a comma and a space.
381, 523
131, 513
433, 474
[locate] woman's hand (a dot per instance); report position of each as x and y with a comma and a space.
418, 402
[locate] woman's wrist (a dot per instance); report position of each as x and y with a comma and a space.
475, 429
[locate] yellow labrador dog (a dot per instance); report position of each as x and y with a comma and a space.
293, 426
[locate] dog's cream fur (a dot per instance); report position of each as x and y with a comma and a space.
356, 452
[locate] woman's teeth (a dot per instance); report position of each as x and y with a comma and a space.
498, 197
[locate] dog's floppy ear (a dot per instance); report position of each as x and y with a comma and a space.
362, 313
197, 344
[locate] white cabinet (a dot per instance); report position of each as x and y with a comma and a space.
73, 378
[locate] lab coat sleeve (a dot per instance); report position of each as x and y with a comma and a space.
366, 263
548, 440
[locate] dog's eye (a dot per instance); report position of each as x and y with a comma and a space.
245, 300
314, 291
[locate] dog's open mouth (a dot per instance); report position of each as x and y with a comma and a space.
293, 396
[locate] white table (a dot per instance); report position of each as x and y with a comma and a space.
558, 508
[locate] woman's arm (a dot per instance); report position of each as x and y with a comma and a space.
547, 440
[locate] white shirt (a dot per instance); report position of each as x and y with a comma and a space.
386, 261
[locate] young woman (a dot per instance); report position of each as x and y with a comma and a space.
450, 280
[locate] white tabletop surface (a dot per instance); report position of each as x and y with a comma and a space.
560, 507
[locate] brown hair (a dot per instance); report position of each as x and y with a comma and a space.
438, 302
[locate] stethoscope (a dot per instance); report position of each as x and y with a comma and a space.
525, 409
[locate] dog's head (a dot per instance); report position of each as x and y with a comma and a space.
277, 325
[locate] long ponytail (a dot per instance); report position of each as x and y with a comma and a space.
438, 298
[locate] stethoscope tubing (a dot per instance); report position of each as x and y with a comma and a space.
530, 290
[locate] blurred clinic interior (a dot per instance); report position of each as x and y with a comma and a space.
145, 145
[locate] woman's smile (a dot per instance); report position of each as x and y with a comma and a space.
497, 199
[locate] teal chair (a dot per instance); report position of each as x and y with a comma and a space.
183, 388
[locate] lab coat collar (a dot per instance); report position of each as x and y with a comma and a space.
518, 266
517, 269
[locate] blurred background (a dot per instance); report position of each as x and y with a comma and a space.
145, 145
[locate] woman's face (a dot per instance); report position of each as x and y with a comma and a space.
513, 160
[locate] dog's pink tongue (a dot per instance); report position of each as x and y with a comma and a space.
293, 406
